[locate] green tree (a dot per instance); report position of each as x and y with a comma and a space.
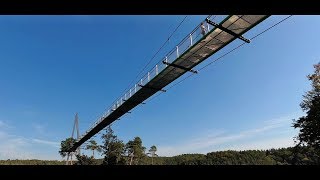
309, 125
85, 160
113, 148
93, 146
65, 146
135, 150
152, 152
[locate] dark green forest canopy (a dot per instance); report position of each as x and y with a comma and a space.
301, 155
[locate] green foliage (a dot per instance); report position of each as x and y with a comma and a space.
113, 148
152, 152
299, 155
31, 162
186, 159
93, 146
65, 146
309, 125
135, 151
252, 157
85, 160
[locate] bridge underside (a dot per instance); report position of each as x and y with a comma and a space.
210, 43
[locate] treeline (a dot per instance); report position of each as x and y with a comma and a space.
114, 150
284, 156
306, 152
31, 162
134, 153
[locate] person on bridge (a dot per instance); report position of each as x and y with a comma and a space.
203, 29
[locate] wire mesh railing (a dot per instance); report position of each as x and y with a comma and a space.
191, 39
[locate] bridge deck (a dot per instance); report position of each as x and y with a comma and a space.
192, 50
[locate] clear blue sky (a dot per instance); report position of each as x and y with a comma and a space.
54, 66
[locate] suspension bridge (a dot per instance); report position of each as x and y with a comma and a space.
210, 36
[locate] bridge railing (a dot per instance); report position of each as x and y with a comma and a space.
183, 46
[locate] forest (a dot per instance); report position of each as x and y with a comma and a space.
115, 152
283, 156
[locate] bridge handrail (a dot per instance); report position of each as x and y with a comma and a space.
184, 45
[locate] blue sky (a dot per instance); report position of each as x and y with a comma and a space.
54, 66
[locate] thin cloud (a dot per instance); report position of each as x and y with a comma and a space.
18, 147
13, 147
3, 125
262, 144
51, 143
40, 128
285, 119
207, 143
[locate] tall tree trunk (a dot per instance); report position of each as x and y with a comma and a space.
151, 160
131, 159
71, 159
67, 162
93, 154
